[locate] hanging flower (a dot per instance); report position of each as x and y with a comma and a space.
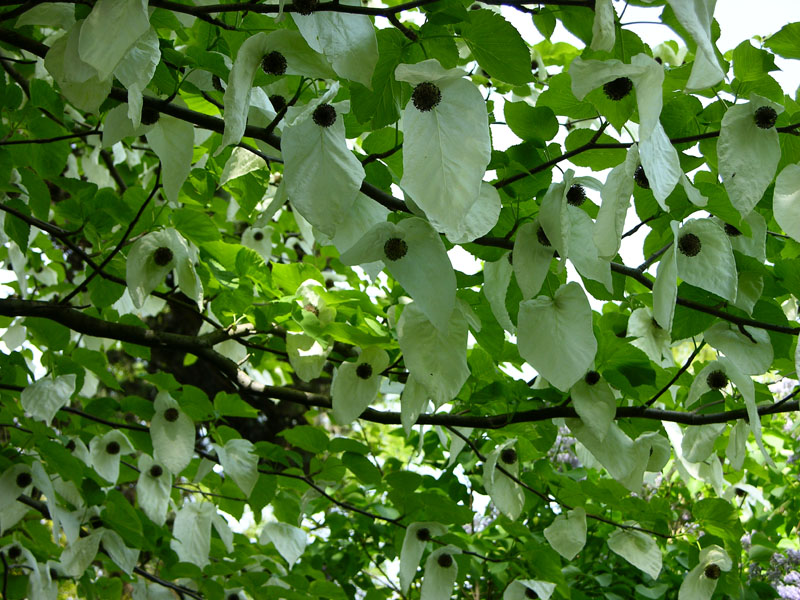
445, 118
322, 175
416, 539
748, 151
105, 453
701, 581
416, 257
153, 256
355, 384
260, 240
658, 155
504, 491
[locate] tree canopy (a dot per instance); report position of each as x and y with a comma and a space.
245, 353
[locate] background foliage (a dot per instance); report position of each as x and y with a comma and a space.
181, 443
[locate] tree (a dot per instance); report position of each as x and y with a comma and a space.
240, 364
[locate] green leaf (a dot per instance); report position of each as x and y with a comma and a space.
232, 405
195, 225
594, 159
307, 438
785, 41
498, 47
530, 122
17, 229
361, 467
750, 64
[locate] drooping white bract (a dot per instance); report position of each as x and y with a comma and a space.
414, 542
745, 387
413, 401
136, 69
604, 26
637, 548
705, 258
555, 335
153, 489
518, 588
445, 149
624, 459
10, 489
172, 432
698, 442
480, 218
437, 359
786, 201
665, 287
49, 14
616, 197
496, 277
364, 214
173, 141
347, 40
698, 585
45, 397
415, 256
437, 583
109, 31
696, 16
289, 541
191, 532
749, 348
322, 175
143, 274
79, 81
300, 60
506, 493
595, 405
567, 533
355, 384
531, 259
106, 451
748, 155
658, 155
651, 338
239, 462
306, 355
309, 297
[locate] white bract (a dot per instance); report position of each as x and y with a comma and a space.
153, 489
518, 588
136, 69
504, 491
322, 175
748, 154
191, 532
705, 258
555, 335
637, 548
45, 397
347, 40
496, 277
239, 462
696, 16
616, 196
109, 31
595, 404
701, 581
153, 256
658, 155
532, 258
749, 348
306, 355
173, 142
415, 256
414, 542
786, 201
650, 337
567, 533
105, 453
172, 432
446, 147
289, 541
356, 384
436, 360
300, 60
440, 574
604, 26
